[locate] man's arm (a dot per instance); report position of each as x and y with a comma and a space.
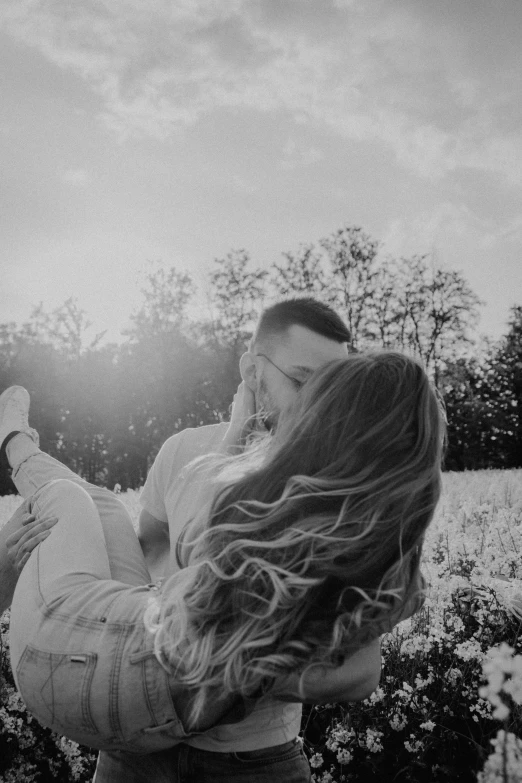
18, 537
8, 573
355, 680
153, 535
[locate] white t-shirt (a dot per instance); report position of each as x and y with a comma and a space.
175, 495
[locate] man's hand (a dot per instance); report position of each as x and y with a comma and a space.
355, 680
18, 538
29, 533
242, 419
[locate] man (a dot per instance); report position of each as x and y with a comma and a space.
292, 340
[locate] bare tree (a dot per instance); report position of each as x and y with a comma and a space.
166, 294
236, 295
352, 258
65, 328
440, 310
385, 316
301, 274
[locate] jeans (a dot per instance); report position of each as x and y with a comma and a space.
81, 656
184, 764
32, 470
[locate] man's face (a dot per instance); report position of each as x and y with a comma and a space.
287, 365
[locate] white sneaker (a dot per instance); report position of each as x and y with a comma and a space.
14, 413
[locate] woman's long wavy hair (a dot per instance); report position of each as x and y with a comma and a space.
315, 550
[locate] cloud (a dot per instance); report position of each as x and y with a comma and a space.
399, 74
296, 154
243, 185
76, 177
456, 237
438, 229
486, 252
499, 154
512, 230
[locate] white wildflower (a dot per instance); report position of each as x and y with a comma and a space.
504, 765
344, 756
316, 761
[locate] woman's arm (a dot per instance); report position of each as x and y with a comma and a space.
242, 420
355, 680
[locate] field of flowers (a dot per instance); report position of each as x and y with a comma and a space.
449, 703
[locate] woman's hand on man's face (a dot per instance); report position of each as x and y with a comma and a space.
27, 536
242, 419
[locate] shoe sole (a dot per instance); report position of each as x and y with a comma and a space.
8, 394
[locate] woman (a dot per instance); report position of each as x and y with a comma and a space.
306, 556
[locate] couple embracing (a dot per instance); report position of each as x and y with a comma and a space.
283, 555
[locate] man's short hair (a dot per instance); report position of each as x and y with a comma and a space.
304, 311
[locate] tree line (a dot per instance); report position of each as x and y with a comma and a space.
105, 409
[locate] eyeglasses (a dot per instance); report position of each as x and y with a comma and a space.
295, 381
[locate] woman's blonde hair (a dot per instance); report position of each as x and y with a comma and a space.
314, 551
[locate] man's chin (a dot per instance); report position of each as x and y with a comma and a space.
265, 421
269, 421
267, 415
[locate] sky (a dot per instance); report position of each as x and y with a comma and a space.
175, 131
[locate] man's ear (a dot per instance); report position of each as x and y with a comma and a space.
248, 370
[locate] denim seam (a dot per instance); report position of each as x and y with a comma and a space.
27, 475
114, 679
86, 690
79, 620
146, 695
295, 753
82, 621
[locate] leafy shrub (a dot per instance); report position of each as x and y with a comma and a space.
426, 721
436, 714
28, 751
